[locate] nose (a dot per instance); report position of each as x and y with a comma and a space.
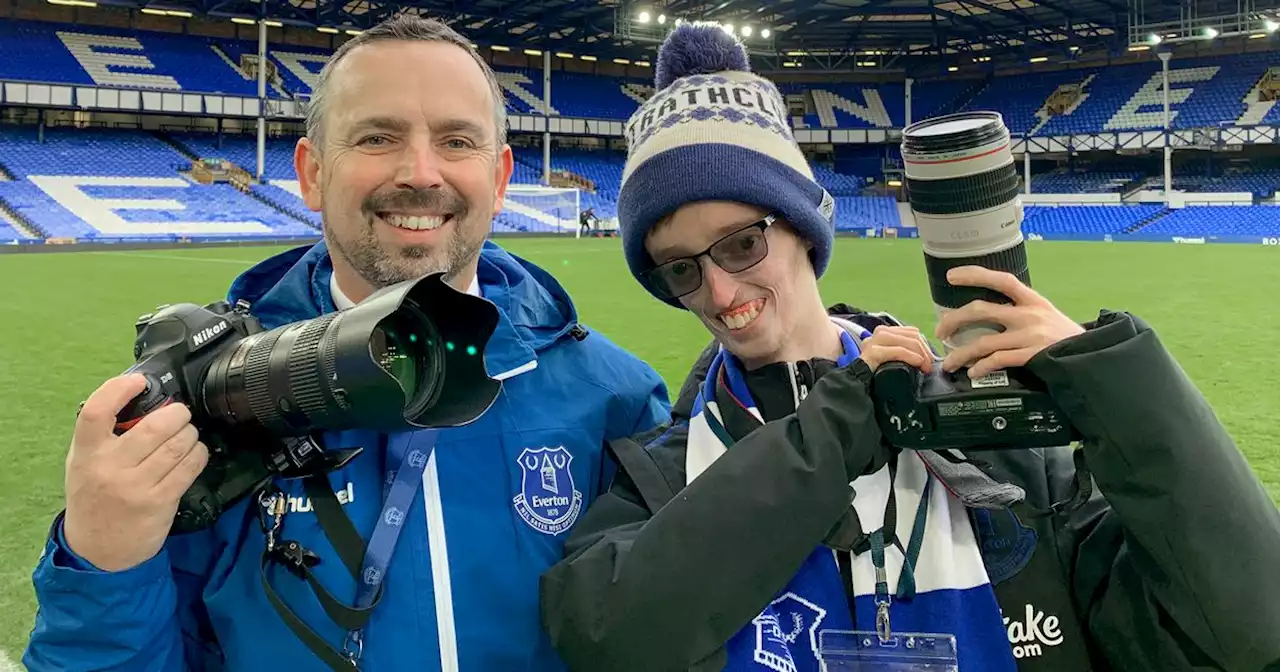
419, 166
720, 285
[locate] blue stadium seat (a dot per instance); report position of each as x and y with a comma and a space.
1240, 220
242, 150
37, 206
1101, 182
9, 235
38, 51
298, 66
867, 212
1019, 98
1091, 219
94, 183
69, 151
1261, 182
1204, 92
837, 184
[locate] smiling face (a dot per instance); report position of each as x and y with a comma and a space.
770, 312
409, 172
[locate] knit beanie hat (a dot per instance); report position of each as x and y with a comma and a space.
715, 131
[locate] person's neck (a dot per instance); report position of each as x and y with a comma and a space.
813, 336
357, 289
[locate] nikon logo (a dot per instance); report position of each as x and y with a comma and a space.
1271, 241
208, 334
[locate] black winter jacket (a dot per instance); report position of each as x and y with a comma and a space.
1166, 559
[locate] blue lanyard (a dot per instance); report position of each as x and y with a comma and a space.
399, 492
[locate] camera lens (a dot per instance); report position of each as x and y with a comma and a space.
963, 188
389, 350
380, 365
399, 345
342, 369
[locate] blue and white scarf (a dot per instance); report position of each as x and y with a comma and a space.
950, 593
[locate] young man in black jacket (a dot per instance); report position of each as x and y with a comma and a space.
770, 512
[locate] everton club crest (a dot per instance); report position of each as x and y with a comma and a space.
548, 501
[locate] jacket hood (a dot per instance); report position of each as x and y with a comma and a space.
534, 309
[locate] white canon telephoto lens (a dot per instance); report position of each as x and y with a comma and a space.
963, 187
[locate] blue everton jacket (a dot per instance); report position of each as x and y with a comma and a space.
461, 589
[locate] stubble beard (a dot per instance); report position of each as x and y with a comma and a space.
382, 264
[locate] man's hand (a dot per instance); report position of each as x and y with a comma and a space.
1031, 323
897, 344
123, 491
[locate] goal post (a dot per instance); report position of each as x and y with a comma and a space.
537, 209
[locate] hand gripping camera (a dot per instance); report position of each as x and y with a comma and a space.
409, 356
963, 188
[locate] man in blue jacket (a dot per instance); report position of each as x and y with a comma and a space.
408, 181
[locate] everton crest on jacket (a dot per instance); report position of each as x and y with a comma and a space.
715, 547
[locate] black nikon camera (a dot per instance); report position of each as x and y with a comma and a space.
408, 356
963, 186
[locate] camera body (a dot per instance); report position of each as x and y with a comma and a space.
942, 411
409, 356
963, 187
175, 347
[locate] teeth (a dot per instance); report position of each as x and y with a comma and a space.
415, 223
741, 319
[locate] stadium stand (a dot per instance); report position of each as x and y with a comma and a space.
94, 183
1261, 183
1095, 219
8, 234
1248, 220
243, 151
866, 212
61, 53
1203, 92
1062, 182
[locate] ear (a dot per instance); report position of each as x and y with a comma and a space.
306, 163
502, 170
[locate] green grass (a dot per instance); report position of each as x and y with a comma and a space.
67, 325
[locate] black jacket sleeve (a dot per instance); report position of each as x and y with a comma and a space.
663, 590
1176, 557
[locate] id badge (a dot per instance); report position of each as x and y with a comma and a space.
865, 651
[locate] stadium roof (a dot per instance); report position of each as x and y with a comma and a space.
817, 34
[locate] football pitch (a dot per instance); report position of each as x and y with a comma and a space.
68, 324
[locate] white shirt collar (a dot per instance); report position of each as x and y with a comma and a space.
341, 302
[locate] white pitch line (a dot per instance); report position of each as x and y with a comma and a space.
178, 257
7, 664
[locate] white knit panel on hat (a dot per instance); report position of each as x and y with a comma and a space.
736, 108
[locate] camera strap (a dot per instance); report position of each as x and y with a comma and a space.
367, 563
906, 579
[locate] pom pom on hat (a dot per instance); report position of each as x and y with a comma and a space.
698, 48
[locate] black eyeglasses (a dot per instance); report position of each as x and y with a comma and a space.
735, 253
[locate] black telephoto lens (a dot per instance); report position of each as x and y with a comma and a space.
408, 356
963, 188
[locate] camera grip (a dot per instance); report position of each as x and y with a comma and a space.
152, 398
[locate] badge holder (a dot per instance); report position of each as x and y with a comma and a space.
883, 650
866, 651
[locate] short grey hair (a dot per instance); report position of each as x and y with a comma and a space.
407, 27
